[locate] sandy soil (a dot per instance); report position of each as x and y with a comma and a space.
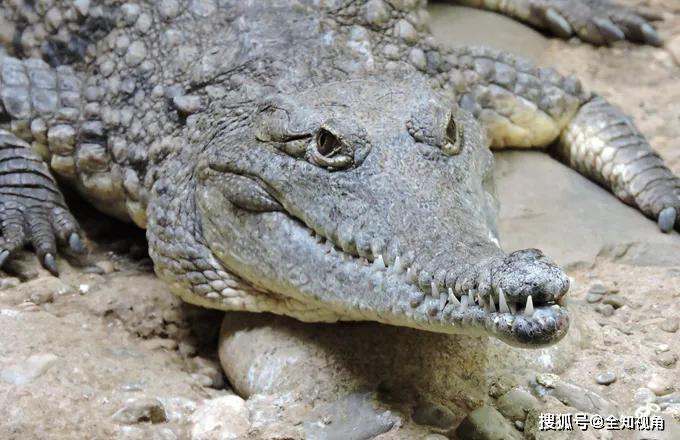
83, 355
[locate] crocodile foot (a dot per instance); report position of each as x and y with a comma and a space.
598, 22
32, 209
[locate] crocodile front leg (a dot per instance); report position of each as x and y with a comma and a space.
32, 209
598, 22
523, 106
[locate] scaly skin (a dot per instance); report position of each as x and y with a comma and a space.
327, 162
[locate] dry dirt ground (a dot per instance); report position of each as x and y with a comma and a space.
105, 351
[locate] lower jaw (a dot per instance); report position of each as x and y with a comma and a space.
547, 326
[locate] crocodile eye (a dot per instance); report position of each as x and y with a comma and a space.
454, 137
329, 152
327, 143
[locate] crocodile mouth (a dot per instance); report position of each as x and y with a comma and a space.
530, 321
327, 269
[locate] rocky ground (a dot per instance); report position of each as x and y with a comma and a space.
105, 351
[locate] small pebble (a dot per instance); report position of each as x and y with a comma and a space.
605, 309
519, 425
598, 288
660, 385
666, 359
613, 301
592, 298
548, 380
140, 409
670, 325
605, 378
433, 414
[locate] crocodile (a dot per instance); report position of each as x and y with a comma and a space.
325, 160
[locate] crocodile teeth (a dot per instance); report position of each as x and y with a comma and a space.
379, 262
529, 308
397, 264
492, 306
452, 298
410, 275
464, 301
435, 292
502, 304
513, 308
471, 299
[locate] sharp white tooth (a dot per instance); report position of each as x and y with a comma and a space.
529, 308
471, 299
452, 298
492, 306
435, 292
464, 301
409, 275
513, 308
397, 264
379, 262
502, 304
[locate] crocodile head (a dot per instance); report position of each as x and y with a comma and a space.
373, 200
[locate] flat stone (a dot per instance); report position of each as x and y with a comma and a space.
354, 417
223, 418
572, 219
486, 423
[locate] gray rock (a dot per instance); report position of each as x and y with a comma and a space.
516, 404
598, 288
433, 414
593, 298
613, 301
666, 359
605, 309
140, 409
605, 378
486, 423
582, 399
354, 417
670, 325
29, 370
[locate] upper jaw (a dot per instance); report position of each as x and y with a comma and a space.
529, 315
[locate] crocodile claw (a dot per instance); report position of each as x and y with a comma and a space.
666, 219
50, 264
76, 244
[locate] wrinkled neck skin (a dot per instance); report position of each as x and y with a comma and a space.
344, 191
